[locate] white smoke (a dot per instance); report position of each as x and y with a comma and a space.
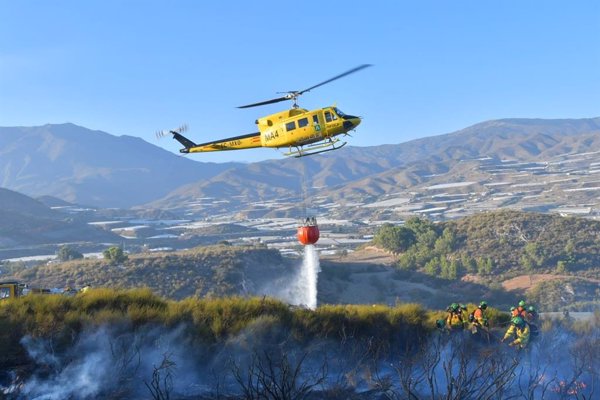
118, 362
301, 288
105, 364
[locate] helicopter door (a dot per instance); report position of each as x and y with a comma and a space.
316, 123
304, 128
332, 122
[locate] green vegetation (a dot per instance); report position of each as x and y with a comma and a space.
114, 255
67, 253
204, 271
261, 338
395, 238
503, 242
209, 321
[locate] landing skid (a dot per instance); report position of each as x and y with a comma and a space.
316, 148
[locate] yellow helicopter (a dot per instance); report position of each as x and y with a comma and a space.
301, 131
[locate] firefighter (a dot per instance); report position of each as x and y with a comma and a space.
478, 316
479, 322
532, 319
513, 312
455, 320
522, 310
520, 329
532, 315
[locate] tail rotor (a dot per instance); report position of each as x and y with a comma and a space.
163, 133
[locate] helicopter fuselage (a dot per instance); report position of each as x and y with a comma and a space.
291, 128
299, 126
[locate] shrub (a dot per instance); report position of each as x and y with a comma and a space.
66, 253
115, 255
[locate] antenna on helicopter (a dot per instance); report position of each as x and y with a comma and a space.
294, 94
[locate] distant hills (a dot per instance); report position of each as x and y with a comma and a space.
92, 167
79, 165
379, 170
25, 221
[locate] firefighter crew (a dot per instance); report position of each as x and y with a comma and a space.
520, 329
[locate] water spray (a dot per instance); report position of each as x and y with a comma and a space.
301, 288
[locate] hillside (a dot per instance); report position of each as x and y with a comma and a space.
368, 173
90, 167
497, 256
25, 221
514, 243
553, 260
204, 271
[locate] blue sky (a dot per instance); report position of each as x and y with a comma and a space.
134, 67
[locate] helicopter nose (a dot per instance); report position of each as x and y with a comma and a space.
351, 123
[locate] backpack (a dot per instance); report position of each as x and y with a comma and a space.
472, 317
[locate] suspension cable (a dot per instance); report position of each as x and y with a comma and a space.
304, 183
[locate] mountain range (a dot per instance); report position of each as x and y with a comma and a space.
356, 173
95, 168
90, 167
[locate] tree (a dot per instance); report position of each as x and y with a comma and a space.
420, 226
570, 251
433, 267
535, 253
66, 253
561, 267
489, 265
527, 263
454, 270
114, 254
469, 264
407, 261
485, 266
445, 243
394, 238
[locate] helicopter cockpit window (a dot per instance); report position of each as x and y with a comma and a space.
328, 117
302, 122
339, 112
290, 126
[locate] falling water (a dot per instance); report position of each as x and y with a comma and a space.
309, 274
301, 289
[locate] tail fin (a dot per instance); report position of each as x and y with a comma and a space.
187, 143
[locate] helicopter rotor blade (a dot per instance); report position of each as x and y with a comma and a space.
293, 94
262, 103
353, 70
